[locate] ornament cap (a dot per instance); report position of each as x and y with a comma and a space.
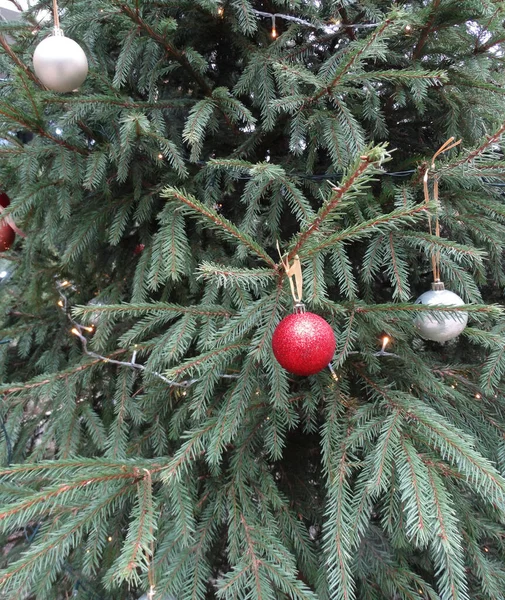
58, 32
299, 308
438, 286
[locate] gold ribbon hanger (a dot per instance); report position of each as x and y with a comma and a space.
294, 273
448, 145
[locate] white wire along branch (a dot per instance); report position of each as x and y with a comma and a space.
78, 329
325, 26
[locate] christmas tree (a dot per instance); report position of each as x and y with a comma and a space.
223, 166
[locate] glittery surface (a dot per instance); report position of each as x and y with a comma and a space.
7, 236
446, 326
304, 344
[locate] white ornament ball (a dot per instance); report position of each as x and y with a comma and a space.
60, 63
443, 327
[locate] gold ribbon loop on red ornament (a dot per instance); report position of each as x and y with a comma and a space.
294, 273
448, 145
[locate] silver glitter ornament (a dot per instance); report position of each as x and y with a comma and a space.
60, 63
443, 327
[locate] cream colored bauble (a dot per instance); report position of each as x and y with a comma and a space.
60, 63
446, 326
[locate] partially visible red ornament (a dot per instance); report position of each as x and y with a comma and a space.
4, 200
7, 236
303, 343
139, 248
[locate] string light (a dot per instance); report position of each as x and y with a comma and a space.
274, 30
486, 549
110, 538
75, 331
160, 156
61, 303
478, 396
220, 11
408, 28
333, 373
385, 342
328, 27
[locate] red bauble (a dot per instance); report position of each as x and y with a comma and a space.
303, 343
139, 248
7, 236
4, 200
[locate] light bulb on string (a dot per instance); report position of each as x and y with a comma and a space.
61, 303
274, 30
75, 331
478, 396
333, 373
220, 11
385, 342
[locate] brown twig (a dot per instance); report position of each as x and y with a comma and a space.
331, 204
174, 52
345, 22
427, 29
15, 58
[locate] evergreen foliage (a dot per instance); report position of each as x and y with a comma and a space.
160, 446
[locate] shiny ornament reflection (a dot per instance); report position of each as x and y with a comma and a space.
442, 327
60, 63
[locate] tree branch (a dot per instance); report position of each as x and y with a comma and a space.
15, 58
330, 205
177, 54
427, 29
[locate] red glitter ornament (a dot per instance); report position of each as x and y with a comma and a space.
303, 343
7, 236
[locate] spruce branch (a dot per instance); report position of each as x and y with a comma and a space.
14, 115
368, 160
132, 364
17, 60
426, 31
354, 57
218, 222
179, 56
13, 388
384, 222
471, 156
